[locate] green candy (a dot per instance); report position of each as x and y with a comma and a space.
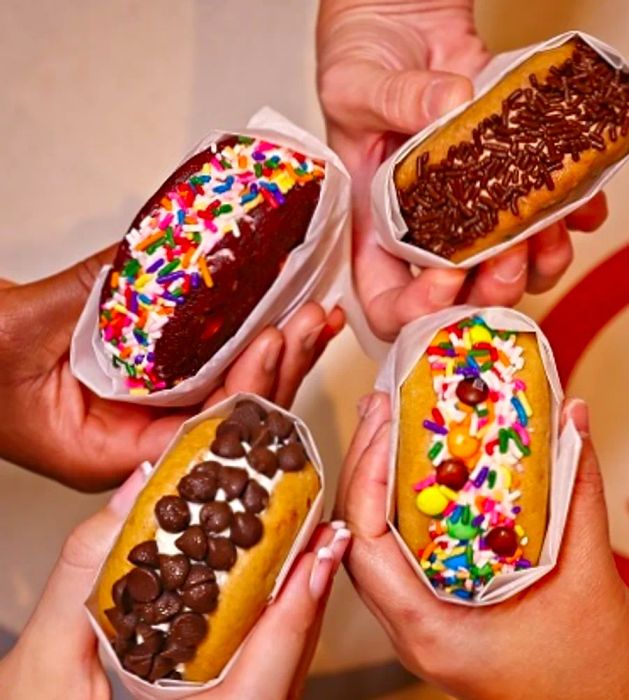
461, 531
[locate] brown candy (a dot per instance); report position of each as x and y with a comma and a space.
255, 498
279, 425
145, 554
174, 570
201, 598
120, 595
166, 606
121, 646
209, 468
228, 445
197, 488
292, 457
193, 542
246, 530
247, 414
472, 391
188, 629
124, 625
179, 652
162, 666
503, 541
216, 516
233, 481
263, 460
152, 639
453, 474
143, 585
199, 573
145, 612
173, 514
233, 426
252, 405
261, 436
221, 553
138, 661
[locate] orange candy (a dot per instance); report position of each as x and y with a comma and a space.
461, 444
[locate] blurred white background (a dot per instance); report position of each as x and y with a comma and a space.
101, 100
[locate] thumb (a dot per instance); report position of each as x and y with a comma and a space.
59, 621
378, 99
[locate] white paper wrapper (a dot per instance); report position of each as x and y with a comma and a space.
389, 224
169, 689
565, 450
316, 270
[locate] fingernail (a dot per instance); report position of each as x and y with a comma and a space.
123, 499
338, 524
367, 405
444, 291
444, 94
339, 542
509, 268
272, 356
309, 341
580, 415
321, 572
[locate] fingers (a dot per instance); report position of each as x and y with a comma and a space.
550, 255
500, 281
373, 411
305, 337
59, 621
270, 658
590, 216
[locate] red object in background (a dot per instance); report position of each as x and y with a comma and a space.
580, 315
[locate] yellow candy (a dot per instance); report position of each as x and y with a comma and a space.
479, 334
461, 444
431, 501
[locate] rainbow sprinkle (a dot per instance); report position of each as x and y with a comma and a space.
172, 250
458, 559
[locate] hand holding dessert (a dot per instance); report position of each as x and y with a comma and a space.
530, 646
386, 72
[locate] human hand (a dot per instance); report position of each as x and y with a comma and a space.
53, 425
59, 643
566, 637
385, 71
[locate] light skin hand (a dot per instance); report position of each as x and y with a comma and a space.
53, 425
60, 644
385, 71
566, 637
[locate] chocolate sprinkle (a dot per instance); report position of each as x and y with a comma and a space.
515, 152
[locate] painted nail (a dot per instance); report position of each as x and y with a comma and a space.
310, 340
580, 415
123, 499
321, 572
338, 524
509, 268
339, 542
272, 357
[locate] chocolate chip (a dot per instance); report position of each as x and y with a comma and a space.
199, 573
216, 516
234, 427
233, 481
279, 424
145, 612
174, 570
193, 542
197, 488
162, 666
143, 585
173, 514
261, 436
292, 457
221, 553
209, 468
124, 625
263, 460
247, 414
152, 639
120, 595
188, 629
472, 391
121, 646
178, 652
252, 405
166, 606
228, 445
145, 554
138, 661
255, 498
246, 530
201, 598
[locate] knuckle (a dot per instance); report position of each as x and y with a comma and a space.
78, 550
86, 273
